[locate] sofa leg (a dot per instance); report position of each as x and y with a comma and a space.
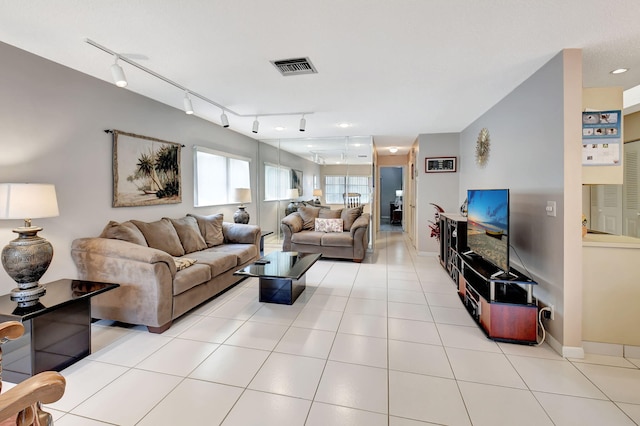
159, 330
357, 260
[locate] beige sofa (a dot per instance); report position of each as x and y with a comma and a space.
350, 240
164, 268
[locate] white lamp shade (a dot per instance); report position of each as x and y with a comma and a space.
242, 195
293, 193
398, 192
317, 192
27, 201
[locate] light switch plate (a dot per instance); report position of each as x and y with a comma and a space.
551, 208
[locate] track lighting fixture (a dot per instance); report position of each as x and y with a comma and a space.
256, 124
224, 120
188, 107
303, 124
118, 74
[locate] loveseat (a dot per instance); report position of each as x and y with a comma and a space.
164, 268
342, 233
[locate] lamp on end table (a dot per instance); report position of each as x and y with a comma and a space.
28, 257
317, 193
242, 196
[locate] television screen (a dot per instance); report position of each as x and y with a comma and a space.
488, 225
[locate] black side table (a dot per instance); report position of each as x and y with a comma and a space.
57, 330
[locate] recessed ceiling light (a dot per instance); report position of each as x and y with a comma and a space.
279, 128
344, 125
393, 150
619, 70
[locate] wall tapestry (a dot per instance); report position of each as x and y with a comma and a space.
146, 171
296, 181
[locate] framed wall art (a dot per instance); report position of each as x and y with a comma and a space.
440, 164
146, 171
296, 181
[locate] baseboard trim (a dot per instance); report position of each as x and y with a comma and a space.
566, 351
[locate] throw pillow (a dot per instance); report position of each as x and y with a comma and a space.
330, 214
125, 231
183, 262
308, 215
189, 234
161, 235
210, 228
349, 216
328, 225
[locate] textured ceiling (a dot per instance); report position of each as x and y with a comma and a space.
391, 69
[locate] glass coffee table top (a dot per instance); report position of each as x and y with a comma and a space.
281, 264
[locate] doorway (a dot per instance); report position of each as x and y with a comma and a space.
391, 198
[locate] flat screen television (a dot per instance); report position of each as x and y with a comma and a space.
488, 225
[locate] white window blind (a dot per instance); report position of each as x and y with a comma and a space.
336, 186
217, 175
277, 180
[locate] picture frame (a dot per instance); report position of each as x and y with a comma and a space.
296, 181
146, 171
441, 164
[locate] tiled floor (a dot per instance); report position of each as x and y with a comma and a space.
385, 342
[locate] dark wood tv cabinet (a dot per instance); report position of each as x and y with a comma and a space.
503, 306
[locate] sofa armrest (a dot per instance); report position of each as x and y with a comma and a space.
240, 233
289, 225
361, 222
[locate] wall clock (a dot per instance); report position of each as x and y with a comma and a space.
482, 147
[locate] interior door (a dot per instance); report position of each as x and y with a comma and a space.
631, 190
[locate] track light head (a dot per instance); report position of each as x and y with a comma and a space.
303, 124
224, 120
118, 74
256, 124
188, 107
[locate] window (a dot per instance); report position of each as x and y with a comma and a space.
336, 186
216, 176
277, 182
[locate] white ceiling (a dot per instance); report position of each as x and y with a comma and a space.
392, 69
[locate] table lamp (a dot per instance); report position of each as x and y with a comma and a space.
293, 194
398, 198
28, 257
241, 195
317, 193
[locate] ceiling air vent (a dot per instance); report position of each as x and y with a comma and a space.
295, 66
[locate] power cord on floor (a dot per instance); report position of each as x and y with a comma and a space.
544, 333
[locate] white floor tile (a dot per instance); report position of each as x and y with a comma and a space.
483, 367
454, 316
257, 336
366, 307
405, 285
447, 300
542, 351
129, 398
289, 375
327, 302
619, 384
327, 414
361, 350
407, 296
73, 420
546, 375
354, 386
318, 319
457, 336
306, 342
409, 311
419, 358
570, 410
211, 329
364, 325
413, 331
426, 398
239, 309
368, 292
231, 365
131, 349
632, 410
271, 313
612, 361
398, 421
178, 357
190, 404
266, 409
496, 405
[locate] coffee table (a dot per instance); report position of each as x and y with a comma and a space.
281, 280
57, 329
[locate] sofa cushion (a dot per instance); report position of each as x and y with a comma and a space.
294, 221
189, 234
307, 237
328, 225
329, 214
190, 277
342, 239
218, 262
243, 252
125, 231
161, 235
349, 216
308, 215
211, 228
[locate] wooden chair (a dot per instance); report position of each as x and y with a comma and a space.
21, 405
351, 199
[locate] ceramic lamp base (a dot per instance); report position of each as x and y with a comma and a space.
241, 216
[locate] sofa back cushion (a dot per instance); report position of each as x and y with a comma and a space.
308, 215
349, 216
161, 235
330, 214
210, 228
189, 234
125, 231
